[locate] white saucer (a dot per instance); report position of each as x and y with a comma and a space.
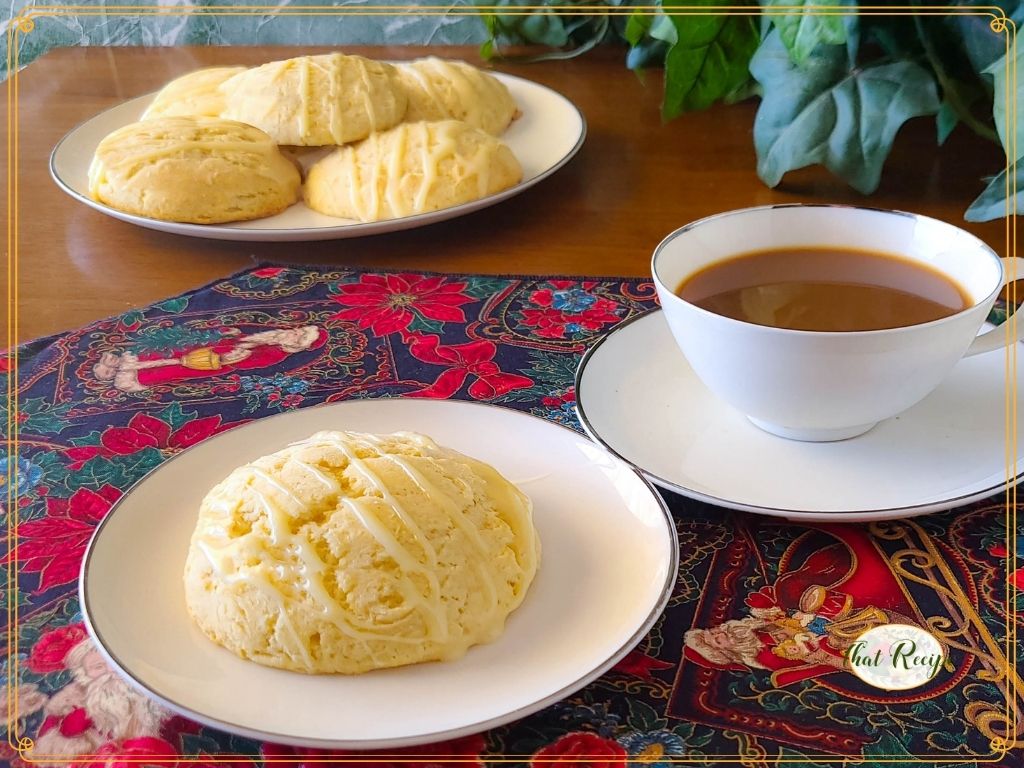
609, 557
637, 396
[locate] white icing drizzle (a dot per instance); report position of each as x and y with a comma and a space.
394, 173
301, 565
371, 111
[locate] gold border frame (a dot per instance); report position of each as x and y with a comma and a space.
24, 23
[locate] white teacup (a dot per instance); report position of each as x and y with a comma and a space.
816, 385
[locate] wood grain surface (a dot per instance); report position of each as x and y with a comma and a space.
635, 180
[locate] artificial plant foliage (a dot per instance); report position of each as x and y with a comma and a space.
707, 58
836, 84
828, 113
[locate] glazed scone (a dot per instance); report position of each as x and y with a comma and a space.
313, 101
348, 552
413, 168
440, 89
201, 170
196, 94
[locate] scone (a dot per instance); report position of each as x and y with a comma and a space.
201, 170
349, 552
413, 168
196, 94
439, 89
317, 100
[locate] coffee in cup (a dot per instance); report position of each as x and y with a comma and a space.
819, 321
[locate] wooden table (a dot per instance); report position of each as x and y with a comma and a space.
634, 181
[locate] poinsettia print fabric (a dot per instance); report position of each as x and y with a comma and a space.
745, 665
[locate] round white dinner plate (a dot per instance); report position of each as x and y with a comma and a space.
637, 396
609, 558
543, 138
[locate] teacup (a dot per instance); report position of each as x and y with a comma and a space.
817, 385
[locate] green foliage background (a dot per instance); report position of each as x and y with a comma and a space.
836, 85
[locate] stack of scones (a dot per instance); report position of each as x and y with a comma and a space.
223, 144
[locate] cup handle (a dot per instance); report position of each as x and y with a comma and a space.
997, 337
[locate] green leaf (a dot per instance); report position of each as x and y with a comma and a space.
1013, 143
119, 471
806, 29
174, 306
425, 325
133, 317
826, 113
708, 59
945, 122
637, 26
38, 416
664, 29
644, 717
485, 287
980, 42
992, 203
174, 415
93, 438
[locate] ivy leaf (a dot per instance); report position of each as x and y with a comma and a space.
945, 122
637, 26
980, 42
826, 113
708, 59
806, 29
1012, 143
993, 202
649, 36
542, 26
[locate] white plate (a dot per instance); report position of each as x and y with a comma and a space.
544, 138
637, 396
608, 564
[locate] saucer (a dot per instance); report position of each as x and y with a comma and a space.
638, 397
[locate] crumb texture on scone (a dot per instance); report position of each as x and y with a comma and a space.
348, 552
441, 89
196, 94
412, 168
201, 170
317, 100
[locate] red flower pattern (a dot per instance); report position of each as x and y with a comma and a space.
131, 753
145, 431
1016, 577
569, 308
582, 749
151, 751
48, 653
53, 545
463, 752
475, 358
639, 664
267, 273
388, 303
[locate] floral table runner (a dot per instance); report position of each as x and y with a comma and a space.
740, 667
